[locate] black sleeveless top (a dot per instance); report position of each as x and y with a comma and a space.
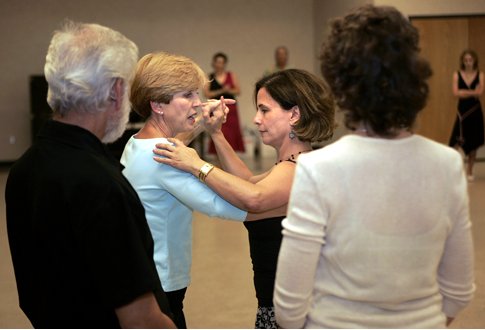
468, 130
214, 85
264, 246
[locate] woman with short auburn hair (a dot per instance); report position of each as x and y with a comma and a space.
165, 92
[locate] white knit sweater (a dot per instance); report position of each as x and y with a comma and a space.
377, 235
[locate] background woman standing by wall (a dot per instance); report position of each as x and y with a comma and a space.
468, 129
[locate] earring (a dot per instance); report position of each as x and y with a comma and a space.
156, 107
292, 134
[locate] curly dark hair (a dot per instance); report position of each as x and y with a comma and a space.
295, 87
371, 61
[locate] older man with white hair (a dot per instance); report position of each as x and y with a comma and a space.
81, 247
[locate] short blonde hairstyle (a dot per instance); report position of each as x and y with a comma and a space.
159, 76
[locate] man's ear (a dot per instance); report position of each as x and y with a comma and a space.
117, 92
295, 115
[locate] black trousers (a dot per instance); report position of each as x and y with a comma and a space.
176, 302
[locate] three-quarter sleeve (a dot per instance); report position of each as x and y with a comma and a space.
455, 272
197, 196
303, 238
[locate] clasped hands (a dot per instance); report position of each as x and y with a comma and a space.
214, 113
176, 154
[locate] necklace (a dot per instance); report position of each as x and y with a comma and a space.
292, 157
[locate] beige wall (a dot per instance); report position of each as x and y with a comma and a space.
248, 31
436, 7
324, 12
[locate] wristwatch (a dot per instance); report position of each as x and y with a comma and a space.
204, 171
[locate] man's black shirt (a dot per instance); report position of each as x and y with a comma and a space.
78, 236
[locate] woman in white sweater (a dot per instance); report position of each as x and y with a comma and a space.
378, 232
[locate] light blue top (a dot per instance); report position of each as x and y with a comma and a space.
169, 197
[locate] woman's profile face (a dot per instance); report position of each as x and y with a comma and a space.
219, 64
180, 113
468, 61
272, 121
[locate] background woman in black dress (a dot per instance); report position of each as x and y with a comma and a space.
468, 129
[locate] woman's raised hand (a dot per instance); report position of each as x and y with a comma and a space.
214, 114
178, 155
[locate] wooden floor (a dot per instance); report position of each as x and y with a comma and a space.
221, 294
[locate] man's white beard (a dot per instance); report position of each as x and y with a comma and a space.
117, 122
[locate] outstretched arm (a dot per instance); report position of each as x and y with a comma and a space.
278, 212
230, 161
269, 193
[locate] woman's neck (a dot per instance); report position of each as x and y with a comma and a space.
154, 128
365, 130
292, 149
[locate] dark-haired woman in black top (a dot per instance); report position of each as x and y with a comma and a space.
294, 108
